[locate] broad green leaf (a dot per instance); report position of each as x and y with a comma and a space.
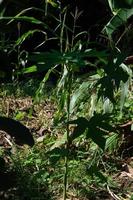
126, 69
124, 92
117, 20
78, 95
123, 76
115, 5
47, 59
84, 93
70, 58
81, 125
95, 128
112, 142
94, 53
107, 106
115, 73
103, 118
57, 153
106, 89
30, 69
99, 118
96, 135
98, 126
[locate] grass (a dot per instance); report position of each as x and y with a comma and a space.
38, 172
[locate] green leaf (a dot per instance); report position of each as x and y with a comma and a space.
82, 125
20, 115
124, 93
117, 20
112, 142
27, 70
107, 107
115, 5
39, 91
25, 36
63, 79
99, 119
78, 95
57, 153
123, 75
54, 3
115, 73
98, 126
95, 128
106, 89
75, 58
97, 137
46, 60
29, 9
22, 18
62, 100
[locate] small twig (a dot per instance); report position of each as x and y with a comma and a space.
114, 196
9, 142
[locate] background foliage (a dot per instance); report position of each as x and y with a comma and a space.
85, 50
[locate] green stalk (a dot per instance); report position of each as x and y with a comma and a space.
46, 7
65, 178
62, 21
69, 84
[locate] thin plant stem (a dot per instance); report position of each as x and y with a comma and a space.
69, 85
46, 7
65, 177
62, 30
